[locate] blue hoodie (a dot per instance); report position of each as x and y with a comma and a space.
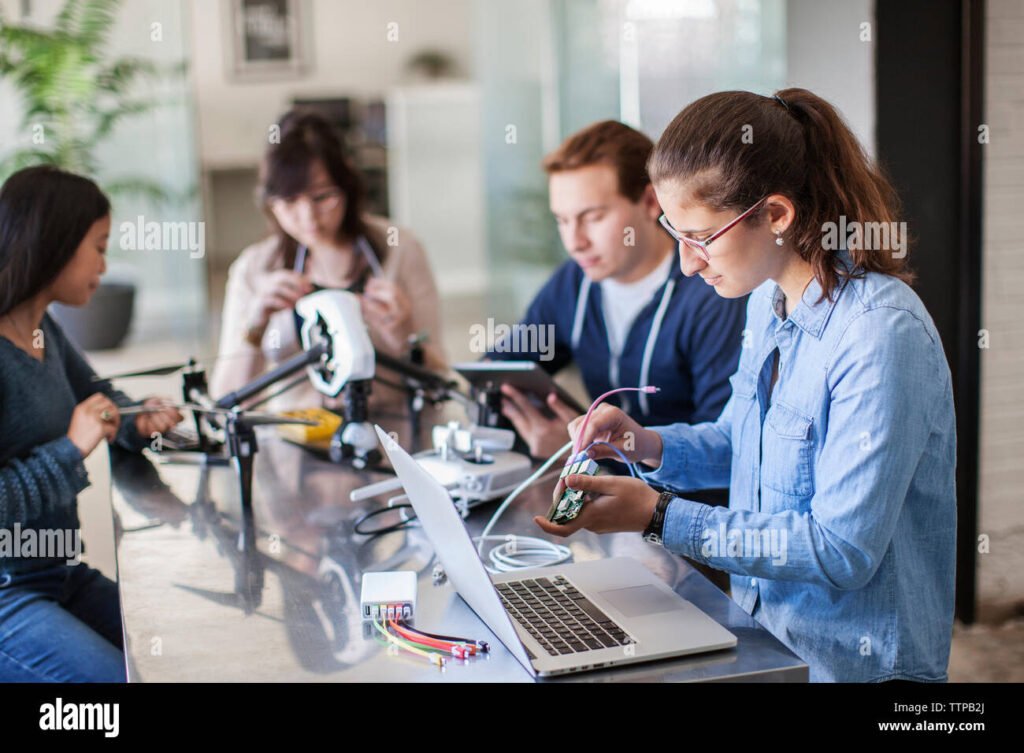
686, 341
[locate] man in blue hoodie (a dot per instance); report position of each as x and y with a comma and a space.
620, 307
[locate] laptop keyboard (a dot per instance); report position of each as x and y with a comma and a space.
559, 617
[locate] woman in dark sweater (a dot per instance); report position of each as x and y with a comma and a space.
59, 619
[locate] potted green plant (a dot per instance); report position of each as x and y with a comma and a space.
73, 97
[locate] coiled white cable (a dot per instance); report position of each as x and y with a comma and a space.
521, 552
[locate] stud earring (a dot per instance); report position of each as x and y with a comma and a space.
778, 238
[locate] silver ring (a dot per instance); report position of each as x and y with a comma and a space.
107, 416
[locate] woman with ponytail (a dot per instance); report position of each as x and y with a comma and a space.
838, 442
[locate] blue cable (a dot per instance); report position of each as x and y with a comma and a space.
617, 451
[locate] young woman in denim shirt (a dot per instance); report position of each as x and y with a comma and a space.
838, 442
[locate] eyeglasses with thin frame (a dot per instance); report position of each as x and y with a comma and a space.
701, 247
322, 201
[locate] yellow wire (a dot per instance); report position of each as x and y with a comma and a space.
434, 658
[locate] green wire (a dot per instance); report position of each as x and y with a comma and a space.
416, 648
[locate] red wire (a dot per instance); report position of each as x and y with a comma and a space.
413, 635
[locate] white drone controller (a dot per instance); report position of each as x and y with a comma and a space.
475, 464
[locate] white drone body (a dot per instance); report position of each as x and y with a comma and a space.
335, 316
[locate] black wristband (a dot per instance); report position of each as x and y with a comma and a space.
656, 528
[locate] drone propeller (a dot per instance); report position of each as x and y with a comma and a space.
270, 419
158, 371
253, 418
192, 363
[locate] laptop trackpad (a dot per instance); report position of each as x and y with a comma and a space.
638, 601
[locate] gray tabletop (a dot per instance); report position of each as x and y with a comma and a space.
198, 609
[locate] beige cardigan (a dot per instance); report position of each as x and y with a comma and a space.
239, 361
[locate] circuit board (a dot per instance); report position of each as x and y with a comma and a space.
570, 503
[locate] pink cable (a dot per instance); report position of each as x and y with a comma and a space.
586, 420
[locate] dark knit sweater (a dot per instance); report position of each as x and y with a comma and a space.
41, 470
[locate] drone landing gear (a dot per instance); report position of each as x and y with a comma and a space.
355, 442
242, 446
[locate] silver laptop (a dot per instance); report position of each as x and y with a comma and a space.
567, 618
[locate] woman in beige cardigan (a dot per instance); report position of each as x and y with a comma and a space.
322, 239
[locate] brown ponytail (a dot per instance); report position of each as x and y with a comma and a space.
797, 145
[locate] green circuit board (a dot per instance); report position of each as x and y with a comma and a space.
570, 503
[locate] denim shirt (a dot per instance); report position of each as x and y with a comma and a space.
840, 535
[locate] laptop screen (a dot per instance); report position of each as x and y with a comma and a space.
454, 546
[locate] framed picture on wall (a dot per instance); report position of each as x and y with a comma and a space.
268, 39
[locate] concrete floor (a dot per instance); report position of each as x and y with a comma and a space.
988, 652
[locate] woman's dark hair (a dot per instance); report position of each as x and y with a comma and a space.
45, 213
306, 138
798, 146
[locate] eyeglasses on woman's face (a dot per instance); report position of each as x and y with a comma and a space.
322, 201
701, 247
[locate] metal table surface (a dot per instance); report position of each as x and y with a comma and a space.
196, 609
